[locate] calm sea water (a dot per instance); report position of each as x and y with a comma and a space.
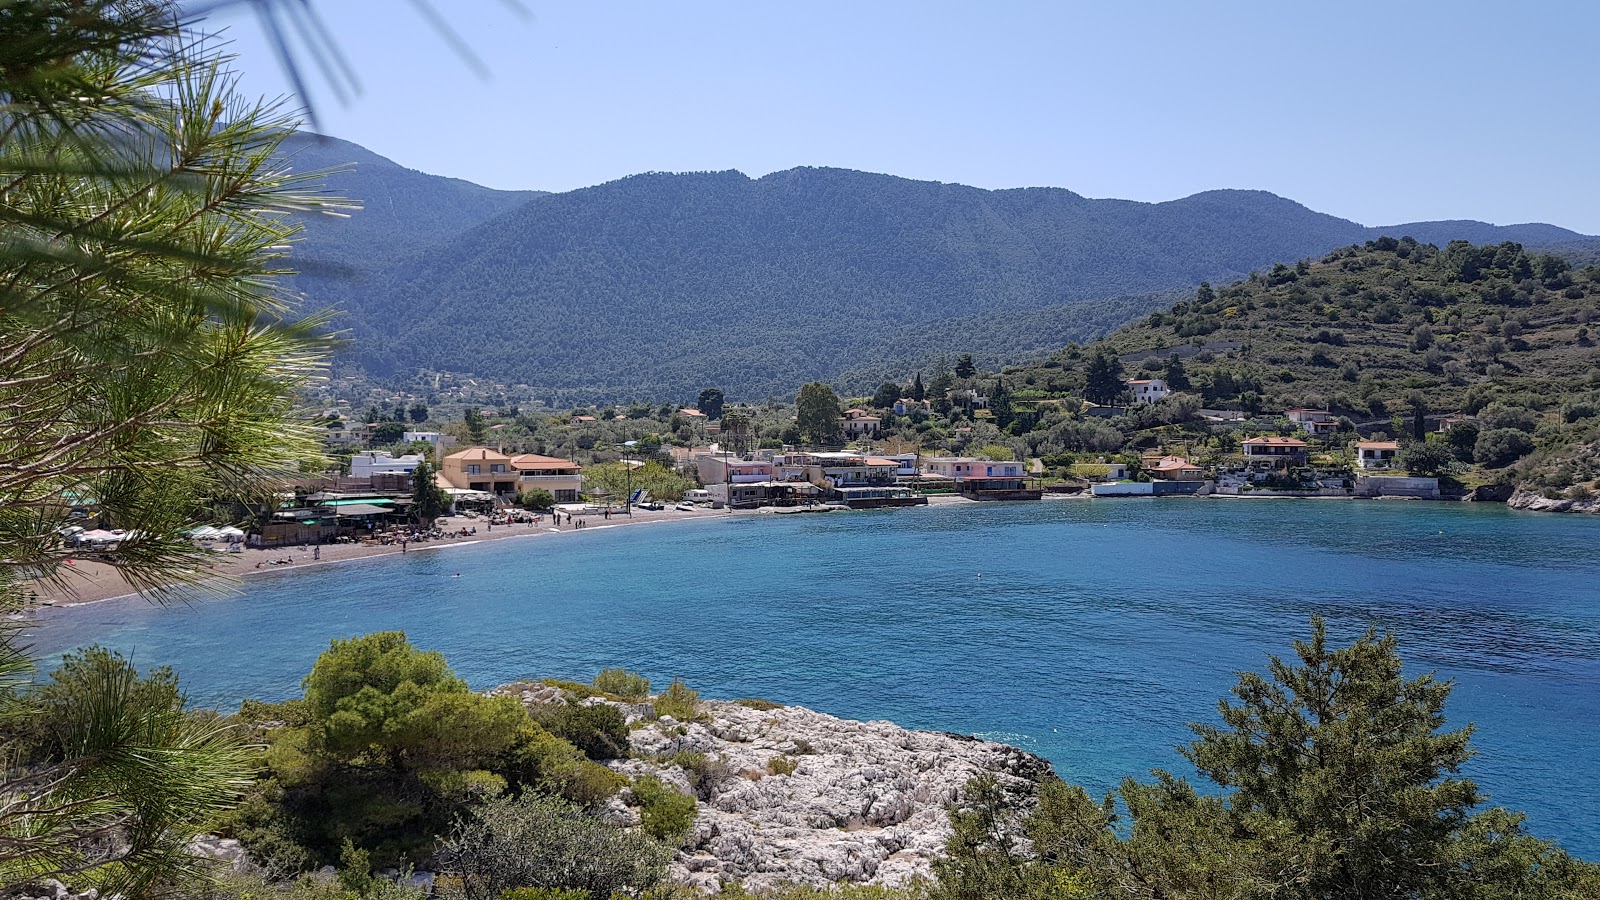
1088, 632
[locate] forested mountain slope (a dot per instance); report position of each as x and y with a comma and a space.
653, 286
402, 210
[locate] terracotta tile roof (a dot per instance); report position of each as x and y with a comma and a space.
479, 454
1378, 445
536, 461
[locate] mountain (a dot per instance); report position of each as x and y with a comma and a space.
657, 285
402, 210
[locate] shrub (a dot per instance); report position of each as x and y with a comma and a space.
782, 765
553, 765
1499, 415
758, 704
1501, 447
547, 843
536, 498
678, 701
623, 683
664, 813
598, 729
544, 894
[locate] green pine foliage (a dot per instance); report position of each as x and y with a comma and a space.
1335, 778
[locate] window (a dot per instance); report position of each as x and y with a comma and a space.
497, 468
472, 469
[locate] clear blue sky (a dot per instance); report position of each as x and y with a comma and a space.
1380, 112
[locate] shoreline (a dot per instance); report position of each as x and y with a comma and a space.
95, 582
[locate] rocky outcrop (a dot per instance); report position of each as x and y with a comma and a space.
1491, 493
789, 795
1532, 500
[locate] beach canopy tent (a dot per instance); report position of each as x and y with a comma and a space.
203, 533
230, 533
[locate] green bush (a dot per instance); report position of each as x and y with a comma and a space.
663, 812
623, 683
1501, 447
551, 764
757, 703
537, 498
549, 844
599, 729
782, 765
678, 701
544, 894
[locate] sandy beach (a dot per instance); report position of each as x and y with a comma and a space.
91, 581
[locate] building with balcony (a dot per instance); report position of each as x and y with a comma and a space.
480, 469
563, 478
1275, 451
857, 423
1314, 421
720, 469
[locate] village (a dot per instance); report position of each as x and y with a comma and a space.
374, 499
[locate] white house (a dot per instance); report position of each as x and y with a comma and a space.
1147, 390
368, 463
1313, 421
968, 467
434, 439
1377, 454
858, 423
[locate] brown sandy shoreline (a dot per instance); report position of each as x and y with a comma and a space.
93, 582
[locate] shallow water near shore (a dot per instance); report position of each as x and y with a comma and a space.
1086, 631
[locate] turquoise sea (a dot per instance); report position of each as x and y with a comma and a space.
1087, 631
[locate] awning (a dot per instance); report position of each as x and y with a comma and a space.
363, 509
375, 501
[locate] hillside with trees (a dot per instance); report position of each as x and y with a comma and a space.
652, 286
1392, 335
400, 211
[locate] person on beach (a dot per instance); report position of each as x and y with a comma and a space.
316, 552
402, 545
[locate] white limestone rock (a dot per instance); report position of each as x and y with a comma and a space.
865, 801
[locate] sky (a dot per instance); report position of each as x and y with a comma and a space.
1380, 112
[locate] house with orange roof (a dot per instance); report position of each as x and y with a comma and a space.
1148, 390
1377, 454
858, 423
563, 478
1176, 468
1274, 450
480, 469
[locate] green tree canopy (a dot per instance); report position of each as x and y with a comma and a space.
428, 500
1340, 782
886, 395
818, 414
710, 402
1103, 378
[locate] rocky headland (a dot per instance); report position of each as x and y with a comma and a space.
1537, 502
789, 795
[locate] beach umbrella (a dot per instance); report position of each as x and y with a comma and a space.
230, 533
203, 533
